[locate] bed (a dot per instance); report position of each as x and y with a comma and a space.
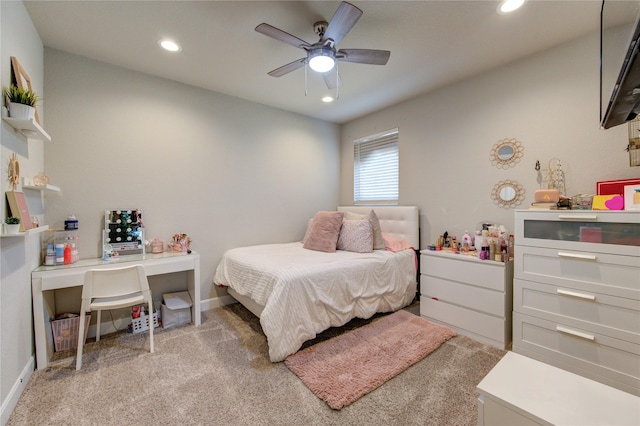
299, 292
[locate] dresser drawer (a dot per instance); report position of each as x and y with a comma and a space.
594, 355
588, 271
466, 319
601, 313
477, 298
466, 269
614, 232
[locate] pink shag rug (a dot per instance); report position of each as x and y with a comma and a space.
346, 367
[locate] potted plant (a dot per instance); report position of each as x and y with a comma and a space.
22, 102
12, 225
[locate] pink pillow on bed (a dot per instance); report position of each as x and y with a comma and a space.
324, 232
356, 236
308, 231
394, 244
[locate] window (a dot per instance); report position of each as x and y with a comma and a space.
375, 168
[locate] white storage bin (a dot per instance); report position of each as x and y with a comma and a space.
140, 324
176, 309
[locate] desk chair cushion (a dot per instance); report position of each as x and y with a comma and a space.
115, 302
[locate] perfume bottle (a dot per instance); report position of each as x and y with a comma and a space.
466, 238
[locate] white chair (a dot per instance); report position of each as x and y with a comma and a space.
113, 289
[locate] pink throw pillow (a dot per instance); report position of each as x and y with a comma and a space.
324, 232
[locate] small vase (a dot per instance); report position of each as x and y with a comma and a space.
21, 111
12, 228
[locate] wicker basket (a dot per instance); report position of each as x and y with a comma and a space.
65, 332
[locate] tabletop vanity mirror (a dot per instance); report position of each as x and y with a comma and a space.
123, 232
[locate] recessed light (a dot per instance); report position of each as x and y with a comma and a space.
170, 45
508, 6
327, 99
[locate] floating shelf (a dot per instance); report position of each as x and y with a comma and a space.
46, 187
28, 128
25, 233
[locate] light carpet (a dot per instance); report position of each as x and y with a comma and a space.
220, 374
341, 370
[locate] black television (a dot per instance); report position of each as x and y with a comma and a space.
619, 62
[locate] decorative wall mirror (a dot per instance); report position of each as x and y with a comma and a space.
506, 153
508, 194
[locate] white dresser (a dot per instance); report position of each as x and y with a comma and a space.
577, 293
471, 296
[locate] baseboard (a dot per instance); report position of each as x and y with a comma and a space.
216, 302
16, 391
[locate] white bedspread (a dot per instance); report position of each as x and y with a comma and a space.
305, 292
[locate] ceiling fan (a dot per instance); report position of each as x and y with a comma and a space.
322, 56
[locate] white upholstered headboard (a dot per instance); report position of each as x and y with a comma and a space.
400, 221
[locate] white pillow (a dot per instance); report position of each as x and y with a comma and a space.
356, 236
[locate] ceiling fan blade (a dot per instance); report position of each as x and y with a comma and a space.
280, 35
285, 69
332, 79
342, 21
364, 56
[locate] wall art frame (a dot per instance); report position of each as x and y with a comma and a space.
22, 80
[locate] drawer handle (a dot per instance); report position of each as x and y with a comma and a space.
578, 216
575, 333
578, 295
578, 256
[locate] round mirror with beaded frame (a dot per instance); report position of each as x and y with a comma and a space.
507, 194
506, 153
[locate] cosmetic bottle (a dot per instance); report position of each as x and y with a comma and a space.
59, 254
67, 254
50, 259
466, 238
71, 223
477, 241
75, 256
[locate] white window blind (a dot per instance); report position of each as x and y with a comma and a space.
375, 167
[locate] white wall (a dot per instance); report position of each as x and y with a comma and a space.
225, 171
549, 102
19, 255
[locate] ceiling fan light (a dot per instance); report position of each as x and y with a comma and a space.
322, 59
508, 6
169, 45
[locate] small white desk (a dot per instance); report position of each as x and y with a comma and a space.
45, 279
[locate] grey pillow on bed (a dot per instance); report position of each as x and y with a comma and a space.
324, 231
378, 242
356, 236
